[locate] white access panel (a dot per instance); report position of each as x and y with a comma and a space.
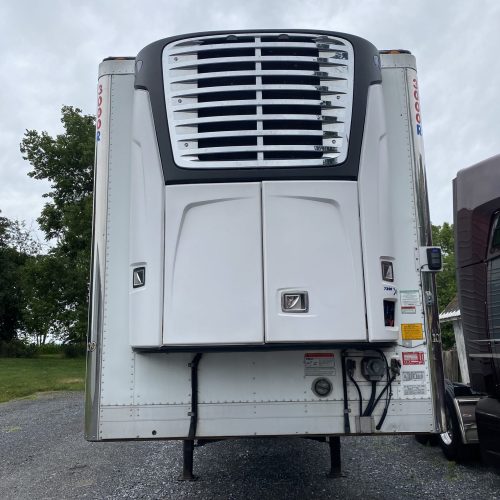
384, 194
312, 245
213, 264
146, 238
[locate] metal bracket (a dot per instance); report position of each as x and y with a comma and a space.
365, 425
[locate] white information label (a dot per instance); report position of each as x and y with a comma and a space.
410, 376
414, 390
319, 363
409, 298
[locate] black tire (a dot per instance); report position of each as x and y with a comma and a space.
451, 441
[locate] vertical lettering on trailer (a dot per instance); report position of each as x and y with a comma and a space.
101, 163
416, 107
102, 121
99, 112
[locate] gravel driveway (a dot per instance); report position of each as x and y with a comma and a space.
43, 455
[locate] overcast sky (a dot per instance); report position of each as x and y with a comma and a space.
50, 51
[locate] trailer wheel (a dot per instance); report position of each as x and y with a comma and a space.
451, 440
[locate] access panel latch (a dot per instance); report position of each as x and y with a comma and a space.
138, 277
295, 302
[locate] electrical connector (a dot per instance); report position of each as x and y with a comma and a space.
373, 368
395, 366
350, 367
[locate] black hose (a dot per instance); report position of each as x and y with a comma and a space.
351, 378
382, 392
388, 377
384, 414
194, 396
387, 403
347, 425
370, 406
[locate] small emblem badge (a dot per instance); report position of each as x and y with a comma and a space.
294, 302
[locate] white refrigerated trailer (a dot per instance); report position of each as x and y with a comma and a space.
262, 259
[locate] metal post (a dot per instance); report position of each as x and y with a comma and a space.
335, 461
187, 460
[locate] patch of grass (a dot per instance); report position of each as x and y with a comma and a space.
8, 430
21, 377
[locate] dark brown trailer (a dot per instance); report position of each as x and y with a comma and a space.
476, 200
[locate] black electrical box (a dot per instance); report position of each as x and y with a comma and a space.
434, 259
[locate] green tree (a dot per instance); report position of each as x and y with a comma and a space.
443, 236
45, 312
445, 280
56, 285
16, 247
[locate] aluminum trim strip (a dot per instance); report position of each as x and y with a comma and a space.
256, 102
257, 133
322, 75
255, 117
322, 61
276, 147
323, 89
320, 162
428, 280
193, 49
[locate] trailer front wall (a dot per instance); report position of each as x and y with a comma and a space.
136, 394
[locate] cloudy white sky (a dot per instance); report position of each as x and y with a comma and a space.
50, 52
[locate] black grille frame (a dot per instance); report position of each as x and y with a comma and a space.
149, 77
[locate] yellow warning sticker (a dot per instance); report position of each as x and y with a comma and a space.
412, 331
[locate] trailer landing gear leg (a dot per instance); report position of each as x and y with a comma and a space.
335, 462
187, 460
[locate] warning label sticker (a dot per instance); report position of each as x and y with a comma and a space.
414, 390
413, 358
408, 310
413, 380
409, 298
411, 376
412, 331
319, 363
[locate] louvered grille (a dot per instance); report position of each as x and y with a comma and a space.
259, 100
